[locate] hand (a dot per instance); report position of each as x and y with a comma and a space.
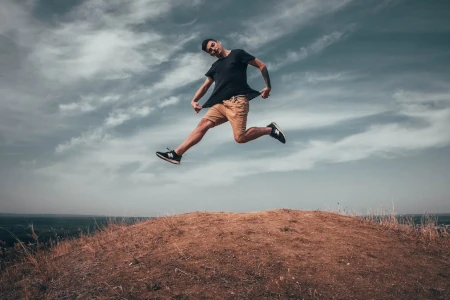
265, 93
197, 107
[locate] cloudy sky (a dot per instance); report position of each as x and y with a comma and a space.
92, 89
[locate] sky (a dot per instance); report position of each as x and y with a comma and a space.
91, 89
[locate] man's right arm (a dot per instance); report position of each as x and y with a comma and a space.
203, 89
199, 94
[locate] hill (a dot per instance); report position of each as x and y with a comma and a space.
277, 254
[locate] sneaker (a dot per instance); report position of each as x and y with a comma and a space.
170, 156
277, 133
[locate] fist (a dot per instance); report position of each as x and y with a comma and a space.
197, 107
265, 93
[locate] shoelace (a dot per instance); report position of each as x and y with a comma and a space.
173, 152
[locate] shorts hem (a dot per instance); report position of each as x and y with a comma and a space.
209, 119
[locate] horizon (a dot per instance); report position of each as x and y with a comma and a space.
91, 90
157, 216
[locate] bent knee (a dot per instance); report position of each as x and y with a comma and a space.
205, 125
240, 139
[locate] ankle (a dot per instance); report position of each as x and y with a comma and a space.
177, 152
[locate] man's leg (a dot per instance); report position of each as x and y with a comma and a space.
237, 112
174, 156
252, 133
255, 132
195, 136
212, 118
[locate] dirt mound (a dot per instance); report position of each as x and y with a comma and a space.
279, 254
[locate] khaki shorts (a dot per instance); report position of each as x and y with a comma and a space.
234, 110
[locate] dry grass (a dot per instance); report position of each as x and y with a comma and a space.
280, 254
428, 231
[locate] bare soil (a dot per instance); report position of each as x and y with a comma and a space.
277, 254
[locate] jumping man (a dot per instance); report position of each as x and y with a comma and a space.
229, 100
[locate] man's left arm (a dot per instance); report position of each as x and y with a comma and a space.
265, 73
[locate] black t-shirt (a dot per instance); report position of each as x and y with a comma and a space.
230, 77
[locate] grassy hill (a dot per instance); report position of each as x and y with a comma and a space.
277, 254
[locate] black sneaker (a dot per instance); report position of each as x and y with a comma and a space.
277, 133
170, 156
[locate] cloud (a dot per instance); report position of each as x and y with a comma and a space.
116, 118
119, 116
422, 127
90, 94
319, 78
23, 118
188, 68
94, 136
98, 39
313, 77
320, 117
14, 15
87, 104
89, 52
99, 157
169, 101
82, 107
383, 4
316, 47
94, 58
87, 139
284, 18
385, 140
139, 147
403, 96
78, 63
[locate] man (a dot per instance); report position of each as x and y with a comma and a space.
229, 100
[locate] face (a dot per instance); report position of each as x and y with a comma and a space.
214, 48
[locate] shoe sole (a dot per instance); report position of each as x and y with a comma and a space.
176, 162
279, 129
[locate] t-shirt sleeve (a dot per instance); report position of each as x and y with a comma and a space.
210, 72
245, 57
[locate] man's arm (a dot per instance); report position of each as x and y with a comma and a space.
265, 92
199, 94
262, 67
203, 89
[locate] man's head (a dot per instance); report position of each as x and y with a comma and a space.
213, 47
